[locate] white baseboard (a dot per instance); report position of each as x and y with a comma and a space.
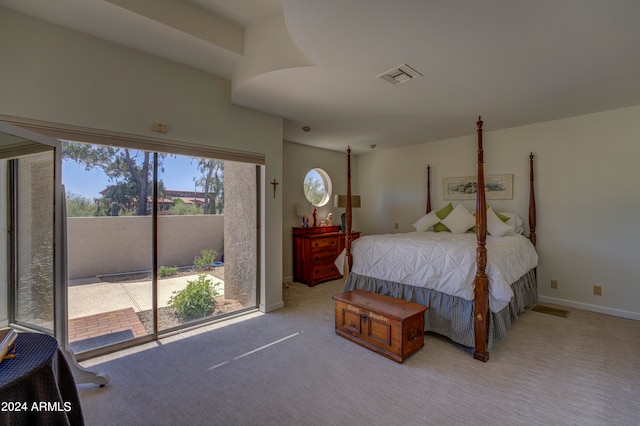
288, 279
591, 308
272, 307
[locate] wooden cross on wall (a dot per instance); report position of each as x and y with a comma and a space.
274, 183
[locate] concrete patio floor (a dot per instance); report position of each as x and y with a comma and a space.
89, 297
100, 310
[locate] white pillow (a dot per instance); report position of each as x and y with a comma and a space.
495, 225
459, 220
515, 221
427, 221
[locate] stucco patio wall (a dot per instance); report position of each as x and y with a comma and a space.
108, 245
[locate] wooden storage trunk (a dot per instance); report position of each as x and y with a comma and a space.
391, 327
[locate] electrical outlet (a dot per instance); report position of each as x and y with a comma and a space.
397, 225
554, 283
597, 290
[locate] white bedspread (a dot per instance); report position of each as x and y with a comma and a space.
444, 262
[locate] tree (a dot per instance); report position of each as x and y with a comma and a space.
212, 183
314, 188
181, 208
79, 206
130, 169
131, 174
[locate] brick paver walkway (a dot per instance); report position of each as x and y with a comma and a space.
105, 323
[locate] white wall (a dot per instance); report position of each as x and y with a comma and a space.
49, 73
587, 197
298, 160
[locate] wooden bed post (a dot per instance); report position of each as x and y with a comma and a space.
532, 204
348, 260
428, 188
481, 301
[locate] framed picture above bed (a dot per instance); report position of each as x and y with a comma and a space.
497, 187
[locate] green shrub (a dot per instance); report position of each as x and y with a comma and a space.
196, 300
203, 262
167, 271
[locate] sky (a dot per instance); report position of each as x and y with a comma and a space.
179, 173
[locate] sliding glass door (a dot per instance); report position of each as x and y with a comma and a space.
207, 242
110, 234
32, 213
156, 242
108, 246
30, 254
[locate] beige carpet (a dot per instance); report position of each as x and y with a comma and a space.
289, 368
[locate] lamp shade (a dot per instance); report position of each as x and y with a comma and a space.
303, 209
341, 201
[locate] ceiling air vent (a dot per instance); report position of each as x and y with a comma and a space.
400, 74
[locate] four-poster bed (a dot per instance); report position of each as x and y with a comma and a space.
490, 283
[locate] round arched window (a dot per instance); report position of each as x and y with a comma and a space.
317, 187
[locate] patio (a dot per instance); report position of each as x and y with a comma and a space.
102, 312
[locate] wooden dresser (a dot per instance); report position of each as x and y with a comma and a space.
315, 250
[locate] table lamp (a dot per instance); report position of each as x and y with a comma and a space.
303, 210
340, 201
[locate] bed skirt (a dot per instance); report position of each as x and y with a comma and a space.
452, 316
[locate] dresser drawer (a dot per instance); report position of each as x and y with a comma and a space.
319, 257
323, 243
327, 270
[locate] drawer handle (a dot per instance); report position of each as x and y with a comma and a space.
364, 318
414, 334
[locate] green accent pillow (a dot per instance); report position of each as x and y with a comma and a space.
500, 216
443, 213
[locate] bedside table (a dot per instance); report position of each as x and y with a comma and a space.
315, 250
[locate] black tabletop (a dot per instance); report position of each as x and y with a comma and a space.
37, 386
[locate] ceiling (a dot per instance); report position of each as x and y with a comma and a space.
316, 62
